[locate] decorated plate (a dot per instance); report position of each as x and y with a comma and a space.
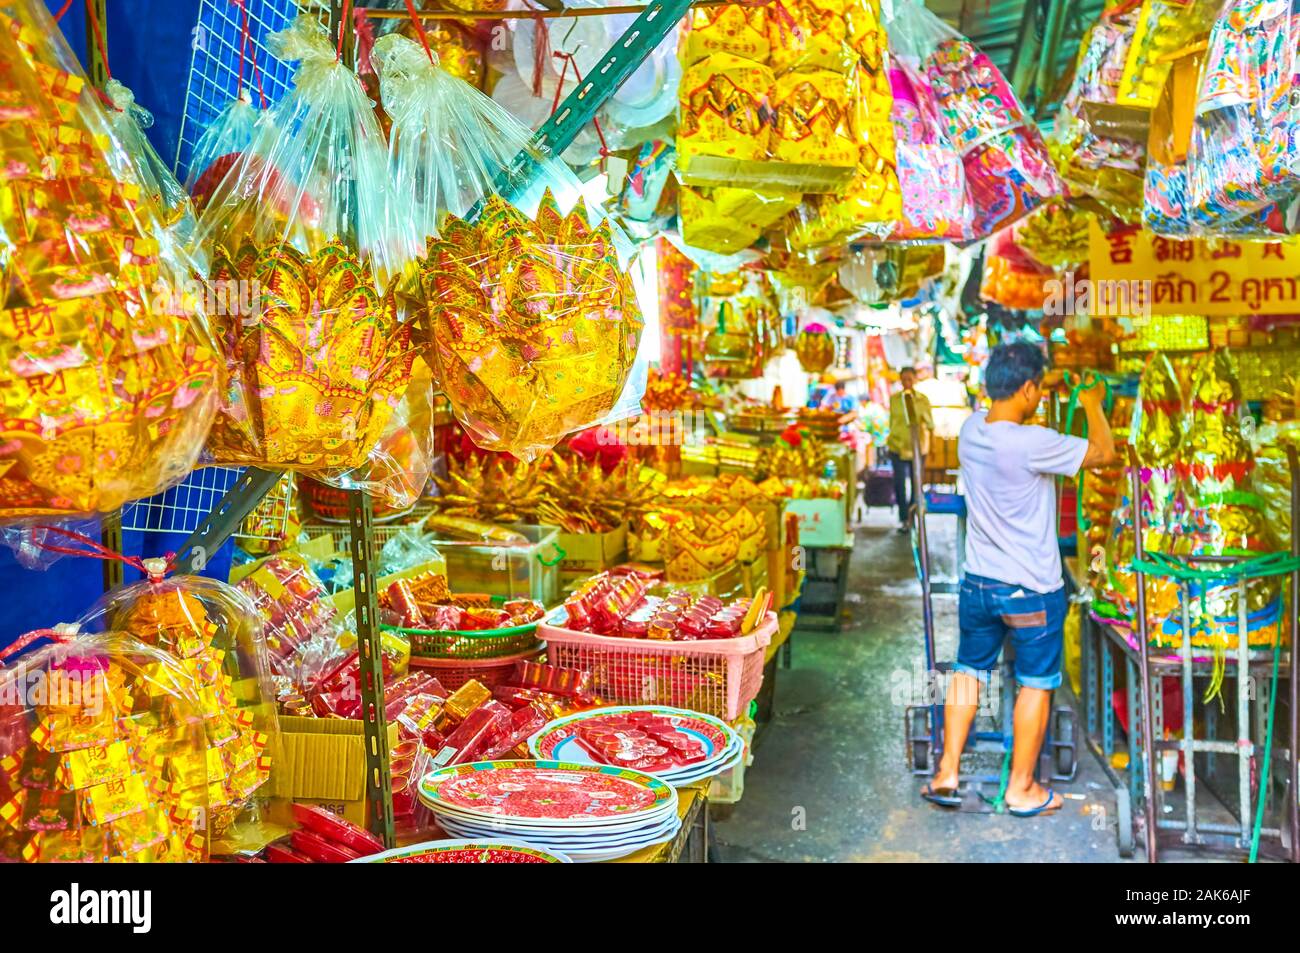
467, 852
559, 739
556, 837
547, 792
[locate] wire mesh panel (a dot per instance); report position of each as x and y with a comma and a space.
180, 509
215, 42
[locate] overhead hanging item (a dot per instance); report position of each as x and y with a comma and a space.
107, 365
308, 219
936, 204
532, 322
1244, 155
1008, 170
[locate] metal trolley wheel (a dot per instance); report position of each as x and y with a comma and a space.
916, 727
1124, 822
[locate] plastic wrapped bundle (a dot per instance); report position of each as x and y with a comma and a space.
225, 139
1094, 160
1244, 155
305, 226
1055, 236
935, 203
214, 633
1008, 170
108, 371
108, 762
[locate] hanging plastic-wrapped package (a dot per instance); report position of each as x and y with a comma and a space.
1094, 157
532, 324
214, 633
1166, 194
171, 204
107, 762
225, 139
936, 205
1007, 166
306, 229
726, 221
108, 373
1244, 153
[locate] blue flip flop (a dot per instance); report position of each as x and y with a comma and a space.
943, 797
1043, 808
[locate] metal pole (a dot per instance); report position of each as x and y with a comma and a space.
1245, 747
1189, 732
1293, 617
1148, 740
923, 553
110, 536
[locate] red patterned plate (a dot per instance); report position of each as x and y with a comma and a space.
547, 793
467, 852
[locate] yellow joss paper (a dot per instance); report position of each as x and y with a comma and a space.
811, 124
723, 105
727, 220
736, 29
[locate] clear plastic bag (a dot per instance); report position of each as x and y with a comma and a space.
229, 134
1008, 170
307, 228
107, 761
108, 371
1245, 153
214, 633
936, 205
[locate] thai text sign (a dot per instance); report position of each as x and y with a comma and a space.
1194, 276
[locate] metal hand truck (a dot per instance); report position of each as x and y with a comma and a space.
923, 724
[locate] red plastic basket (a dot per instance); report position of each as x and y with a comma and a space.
719, 677
453, 673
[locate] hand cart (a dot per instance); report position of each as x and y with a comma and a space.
923, 724
1162, 822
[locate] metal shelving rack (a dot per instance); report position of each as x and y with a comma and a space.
652, 24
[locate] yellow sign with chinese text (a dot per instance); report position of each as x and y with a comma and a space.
1194, 276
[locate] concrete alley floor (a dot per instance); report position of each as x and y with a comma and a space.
830, 780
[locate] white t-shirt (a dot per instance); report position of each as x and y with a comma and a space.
1007, 471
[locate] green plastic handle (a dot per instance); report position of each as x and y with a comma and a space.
559, 556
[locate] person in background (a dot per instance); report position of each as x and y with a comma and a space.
899, 443
1013, 584
837, 399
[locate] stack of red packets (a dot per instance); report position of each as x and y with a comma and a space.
640, 740
425, 602
618, 605
323, 838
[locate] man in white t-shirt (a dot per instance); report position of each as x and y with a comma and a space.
1013, 584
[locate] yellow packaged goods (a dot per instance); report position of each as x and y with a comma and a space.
727, 220
737, 29
723, 109
533, 324
811, 118
108, 763
303, 221
106, 368
810, 34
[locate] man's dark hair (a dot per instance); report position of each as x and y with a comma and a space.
907, 370
1011, 366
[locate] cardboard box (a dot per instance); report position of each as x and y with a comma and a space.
322, 761
586, 554
822, 522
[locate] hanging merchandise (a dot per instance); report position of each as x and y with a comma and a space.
219, 148
936, 204
456, 44
214, 634
1097, 155
108, 371
1008, 170
1055, 236
108, 762
308, 219
815, 347
1243, 155
726, 220
533, 324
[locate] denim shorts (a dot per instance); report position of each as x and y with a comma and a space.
988, 611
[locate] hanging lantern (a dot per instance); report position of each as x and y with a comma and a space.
815, 348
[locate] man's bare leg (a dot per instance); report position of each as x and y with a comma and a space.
958, 715
1033, 708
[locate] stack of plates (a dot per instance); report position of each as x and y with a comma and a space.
587, 812
466, 852
722, 747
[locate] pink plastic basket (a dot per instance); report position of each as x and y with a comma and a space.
719, 677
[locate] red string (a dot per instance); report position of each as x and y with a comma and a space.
257, 74
243, 46
96, 550
99, 38
570, 61
23, 641
343, 28
67, 5
541, 49
419, 29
